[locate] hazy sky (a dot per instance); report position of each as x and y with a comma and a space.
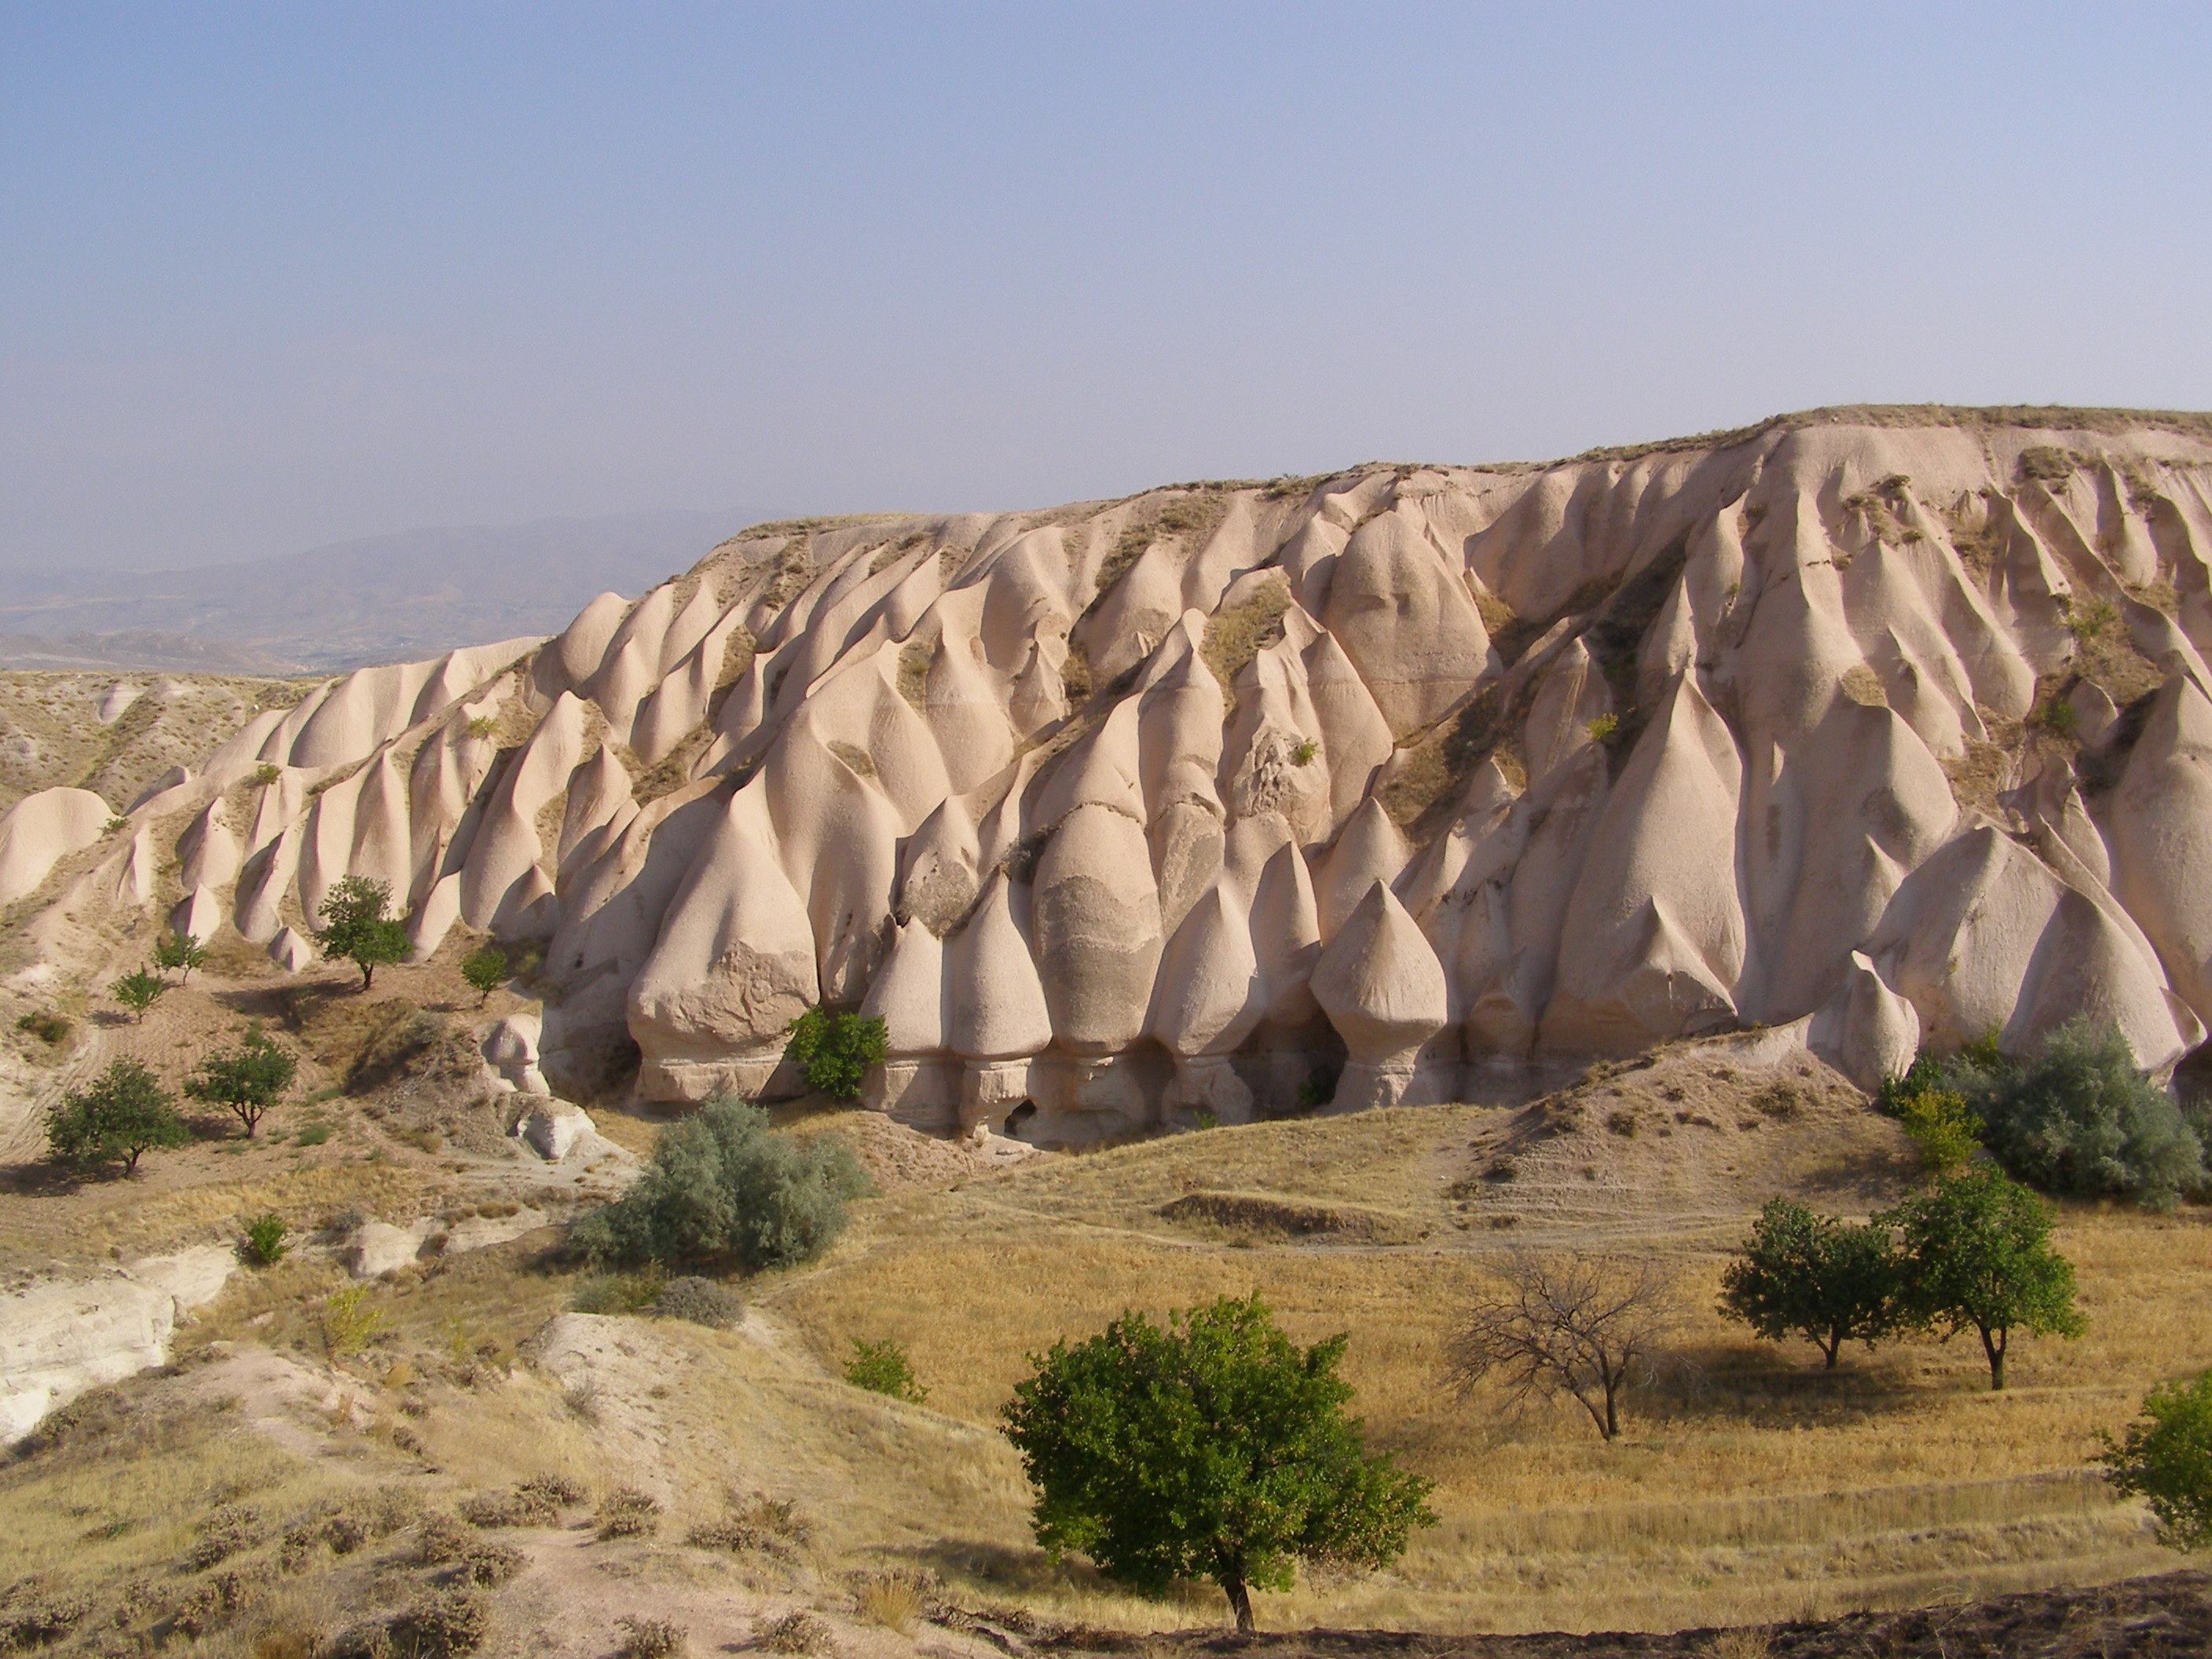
272, 275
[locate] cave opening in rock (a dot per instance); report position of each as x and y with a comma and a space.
1018, 1119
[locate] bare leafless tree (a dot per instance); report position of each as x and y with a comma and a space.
1590, 1327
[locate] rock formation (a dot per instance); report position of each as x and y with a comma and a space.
1228, 799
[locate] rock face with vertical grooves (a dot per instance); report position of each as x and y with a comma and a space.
1393, 785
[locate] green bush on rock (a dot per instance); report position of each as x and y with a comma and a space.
835, 1050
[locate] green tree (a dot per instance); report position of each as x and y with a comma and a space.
2165, 1457
883, 1368
355, 928
179, 950
138, 990
249, 1080
1978, 1253
1813, 1276
724, 1187
835, 1050
1215, 1447
485, 969
124, 1112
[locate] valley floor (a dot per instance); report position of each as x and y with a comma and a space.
1750, 1489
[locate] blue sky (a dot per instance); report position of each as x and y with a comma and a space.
273, 276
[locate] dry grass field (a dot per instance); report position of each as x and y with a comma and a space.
1753, 1489
1749, 1488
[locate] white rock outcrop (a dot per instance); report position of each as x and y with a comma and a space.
59, 1339
1172, 808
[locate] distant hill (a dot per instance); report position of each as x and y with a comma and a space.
386, 599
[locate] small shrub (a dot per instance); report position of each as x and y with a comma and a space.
755, 1522
883, 1368
265, 773
116, 825
1304, 753
531, 1504
797, 1632
626, 1512
487, 1565
2079, 1119
835, 1050
722, 1188
1622, 1123
51, 1029
139, 990
485, 969
891, 1600
1938, 1123
348, 1322
2164, 1457
560, 1491
619, 1294
212, 1600
179, 950
483, 725
443, 1537
1926, 1072
30, 1619
582, 1399
651, 1638
312, 1134
265, 1244
702, 1302
455, 1622
225, 1533
2056, 716
1319, 1088
1602, 728
1778, 1101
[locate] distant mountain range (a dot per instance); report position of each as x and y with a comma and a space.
383, 599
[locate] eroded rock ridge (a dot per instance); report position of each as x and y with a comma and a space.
1234, 799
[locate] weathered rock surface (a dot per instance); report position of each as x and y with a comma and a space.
59, 1339
1897, 722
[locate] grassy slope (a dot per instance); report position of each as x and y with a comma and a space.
1764, 1491
1767, 1491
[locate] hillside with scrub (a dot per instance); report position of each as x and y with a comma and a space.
1477, 1051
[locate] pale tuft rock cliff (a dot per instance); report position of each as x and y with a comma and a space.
1225, 800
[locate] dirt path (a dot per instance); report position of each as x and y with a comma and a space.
2165, 1617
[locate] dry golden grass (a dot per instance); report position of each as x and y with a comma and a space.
50, 736
1762, 1492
